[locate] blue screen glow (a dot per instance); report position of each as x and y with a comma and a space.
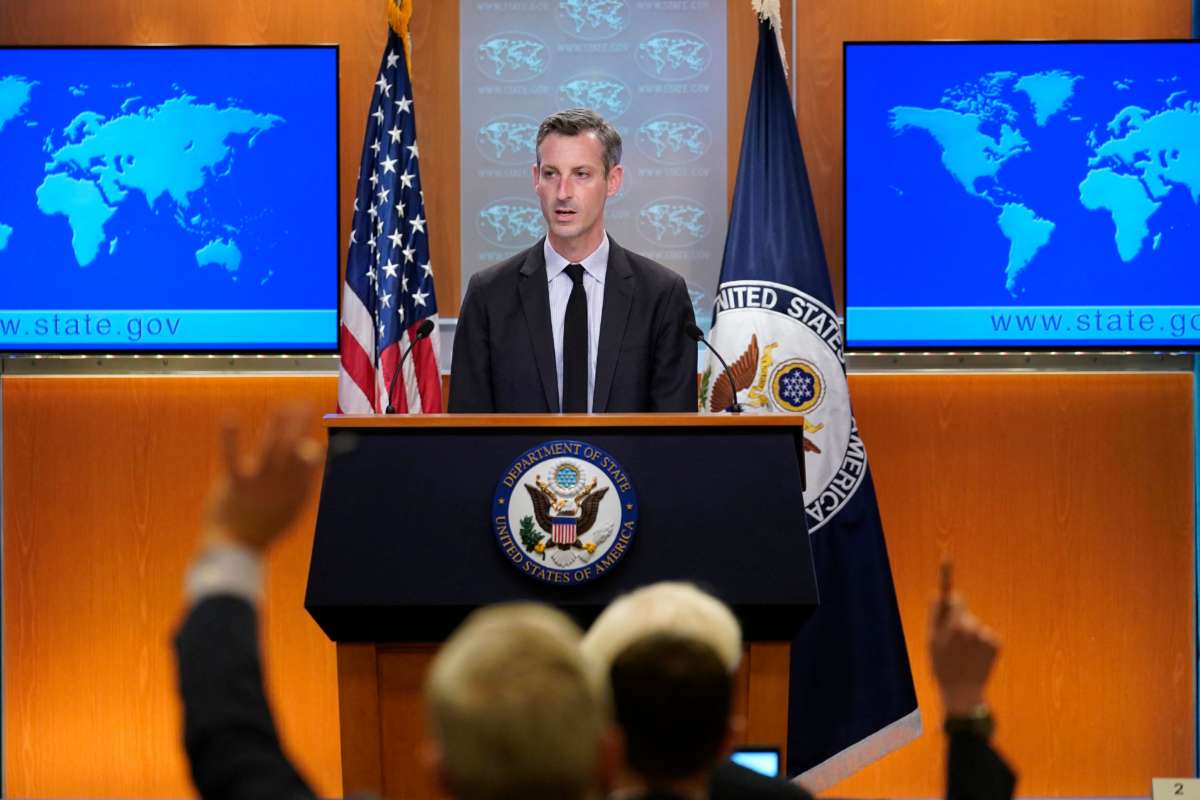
765, 762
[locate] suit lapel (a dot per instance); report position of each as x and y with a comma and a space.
618, 298
535, 302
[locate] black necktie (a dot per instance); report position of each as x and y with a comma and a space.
575, 345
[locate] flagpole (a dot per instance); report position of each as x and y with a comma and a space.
796, 24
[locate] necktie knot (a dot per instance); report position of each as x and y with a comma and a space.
575, 273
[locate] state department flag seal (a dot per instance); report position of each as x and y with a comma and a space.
564, 512
788, 350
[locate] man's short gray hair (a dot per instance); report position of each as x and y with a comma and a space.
574, 121
668, 607
516, 708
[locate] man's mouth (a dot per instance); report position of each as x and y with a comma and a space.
564, 214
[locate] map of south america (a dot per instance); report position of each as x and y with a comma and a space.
14, 97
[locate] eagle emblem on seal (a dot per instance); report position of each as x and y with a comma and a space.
751, 373
565, 506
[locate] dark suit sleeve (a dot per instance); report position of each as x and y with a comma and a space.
673, 381
734, 782
974, 771
471, 366
232, 747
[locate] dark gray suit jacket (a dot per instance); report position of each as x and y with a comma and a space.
232, 746
504, 347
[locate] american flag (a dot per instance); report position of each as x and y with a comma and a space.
389, 278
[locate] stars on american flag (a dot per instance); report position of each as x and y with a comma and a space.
389, 280
389, 239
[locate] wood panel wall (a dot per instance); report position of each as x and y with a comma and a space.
104, 483
1065, 500
1066, 504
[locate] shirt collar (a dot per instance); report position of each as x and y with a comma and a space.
595, 264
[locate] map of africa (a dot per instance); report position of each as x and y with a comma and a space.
1035, 181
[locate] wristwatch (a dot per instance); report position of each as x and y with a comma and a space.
977, 721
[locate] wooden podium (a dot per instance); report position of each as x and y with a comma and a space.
405, 549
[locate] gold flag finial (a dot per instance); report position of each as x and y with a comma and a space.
399, 13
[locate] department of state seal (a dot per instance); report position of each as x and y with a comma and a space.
564, 512
791, 360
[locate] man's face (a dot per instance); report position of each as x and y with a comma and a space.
572, 187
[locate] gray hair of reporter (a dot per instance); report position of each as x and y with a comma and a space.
515, 707
576, 121
671, 607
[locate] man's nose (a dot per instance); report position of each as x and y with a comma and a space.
564, 188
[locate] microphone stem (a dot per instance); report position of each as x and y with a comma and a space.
391, 409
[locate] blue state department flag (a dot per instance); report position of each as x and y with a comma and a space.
851, 696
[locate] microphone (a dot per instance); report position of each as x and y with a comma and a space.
696, 335
423, 331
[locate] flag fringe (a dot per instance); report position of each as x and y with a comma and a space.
769, 10
866, 751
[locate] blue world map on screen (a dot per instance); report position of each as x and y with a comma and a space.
1023, 174
168, 178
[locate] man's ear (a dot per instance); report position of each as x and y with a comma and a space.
614, 178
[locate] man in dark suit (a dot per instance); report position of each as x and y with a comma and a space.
575, 323
671, 651
672, 698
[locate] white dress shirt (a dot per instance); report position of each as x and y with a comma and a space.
595, 266
225, 569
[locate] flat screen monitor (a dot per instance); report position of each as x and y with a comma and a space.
764, 760
1013, 195
168, 199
